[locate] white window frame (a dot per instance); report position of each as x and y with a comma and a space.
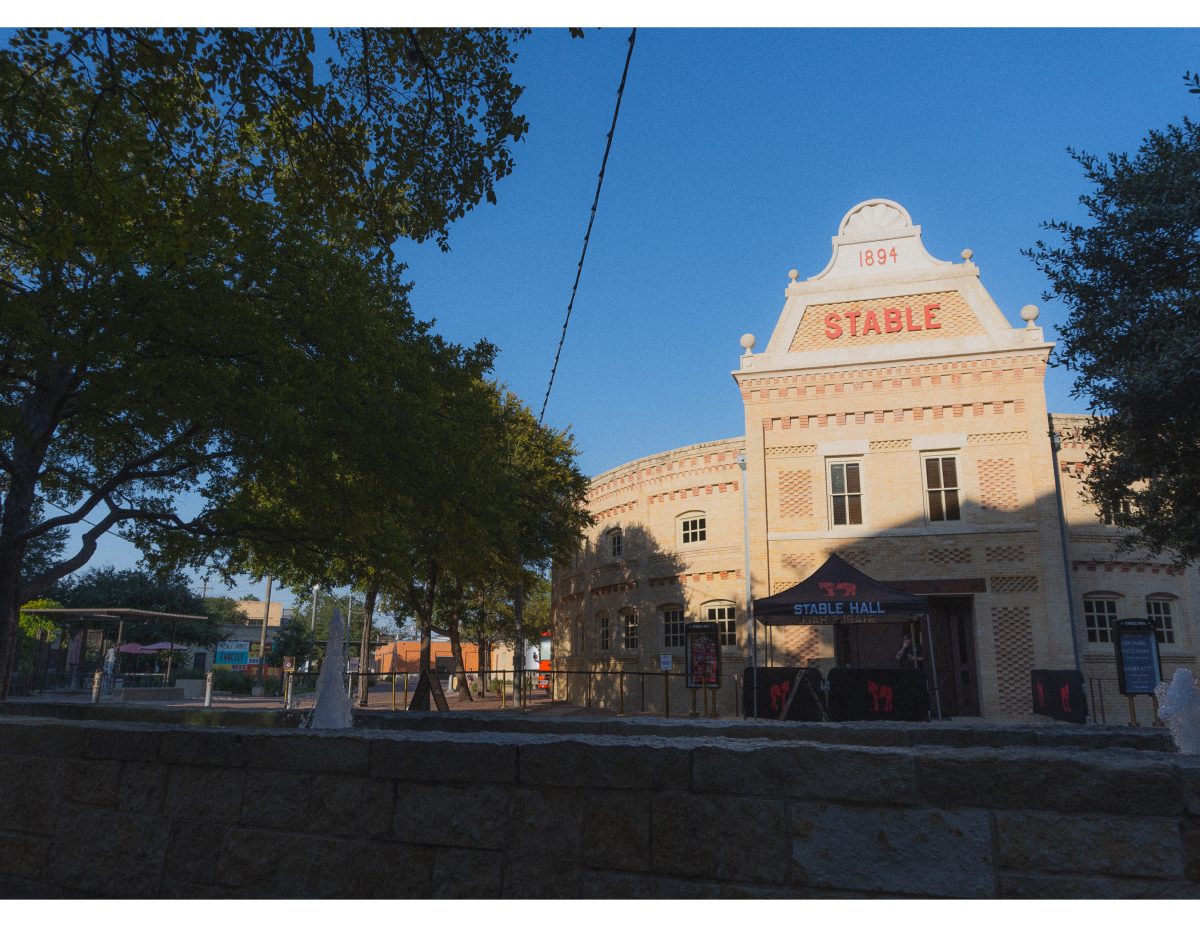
830, 464
1096, 632
680, 635
616, 542
698, 522
724, 622
629, 628
1162, 617
942, 490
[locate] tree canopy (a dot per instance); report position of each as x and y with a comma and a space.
196, 265
1130, 278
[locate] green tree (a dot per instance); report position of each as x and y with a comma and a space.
1130, 277
195, 247
108, 587
293, 640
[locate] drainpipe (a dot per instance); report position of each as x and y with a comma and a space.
749, 592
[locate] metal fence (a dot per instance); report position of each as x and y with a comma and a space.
79, 681
635, 692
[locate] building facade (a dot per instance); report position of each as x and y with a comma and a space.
897, 418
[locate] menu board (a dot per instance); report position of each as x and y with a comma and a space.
1139, 670
703, 655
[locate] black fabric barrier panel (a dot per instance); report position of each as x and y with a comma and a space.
878, 695
775, 687
1059, 694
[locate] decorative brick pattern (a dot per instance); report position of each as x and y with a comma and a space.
953, 313
1011, 585
896, 444
686, 578
803, 643
801, 563
791, 450
1012, 632
947, 555
858, 557
998, 484
616, 510
796, 494
930, 413
998, 437
691, 492
1126, 566
1009, 553
614, 587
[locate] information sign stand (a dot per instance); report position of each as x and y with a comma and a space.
1139, 667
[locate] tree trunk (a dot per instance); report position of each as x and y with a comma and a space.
364, 660
456, 649
485, 663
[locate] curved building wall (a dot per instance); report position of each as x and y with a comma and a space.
897, 418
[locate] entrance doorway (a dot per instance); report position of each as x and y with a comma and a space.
953, 623
872, 646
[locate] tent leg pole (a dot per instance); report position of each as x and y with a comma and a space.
937, 698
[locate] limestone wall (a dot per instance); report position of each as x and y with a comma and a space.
106, 809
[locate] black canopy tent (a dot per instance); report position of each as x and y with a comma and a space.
836, 594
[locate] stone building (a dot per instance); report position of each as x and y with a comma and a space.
897, 418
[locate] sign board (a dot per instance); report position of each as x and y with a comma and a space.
1059, 694
703, 655
664, 662
878, 695
289, 664
232, 653
353, 666
1139, 669
777, 688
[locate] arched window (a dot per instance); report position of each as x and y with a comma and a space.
672, 626
1159, 611
725, 615
692, 528
615, 542
629, 629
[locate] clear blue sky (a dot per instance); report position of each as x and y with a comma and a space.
737, 153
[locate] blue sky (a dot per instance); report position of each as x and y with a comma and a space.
737, 153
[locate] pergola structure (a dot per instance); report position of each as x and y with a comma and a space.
85, 617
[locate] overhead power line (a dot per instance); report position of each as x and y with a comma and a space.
591, 219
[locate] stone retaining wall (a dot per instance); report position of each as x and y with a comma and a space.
138, 810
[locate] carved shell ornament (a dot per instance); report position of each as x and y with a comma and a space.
878, 219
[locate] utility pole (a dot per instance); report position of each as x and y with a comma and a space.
262, 641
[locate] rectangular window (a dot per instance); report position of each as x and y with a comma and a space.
694, 529
673, 627
615, 540
726, 618
631, 630
1098, 616
941, 488
845, 494
605, 632
1159, 611
1109, 513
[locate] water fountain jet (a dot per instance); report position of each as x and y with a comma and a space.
331, 711
1179, 707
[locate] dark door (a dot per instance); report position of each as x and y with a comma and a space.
952, 620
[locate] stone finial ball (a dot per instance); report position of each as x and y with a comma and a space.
793, 274
1030, 313
747, 341
967, 254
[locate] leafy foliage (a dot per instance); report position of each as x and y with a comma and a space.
108, 587
195, 250
1131, 280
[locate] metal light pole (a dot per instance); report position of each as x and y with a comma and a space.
749, 590
262, 639
1062, 538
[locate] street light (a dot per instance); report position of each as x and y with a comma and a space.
312, 623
